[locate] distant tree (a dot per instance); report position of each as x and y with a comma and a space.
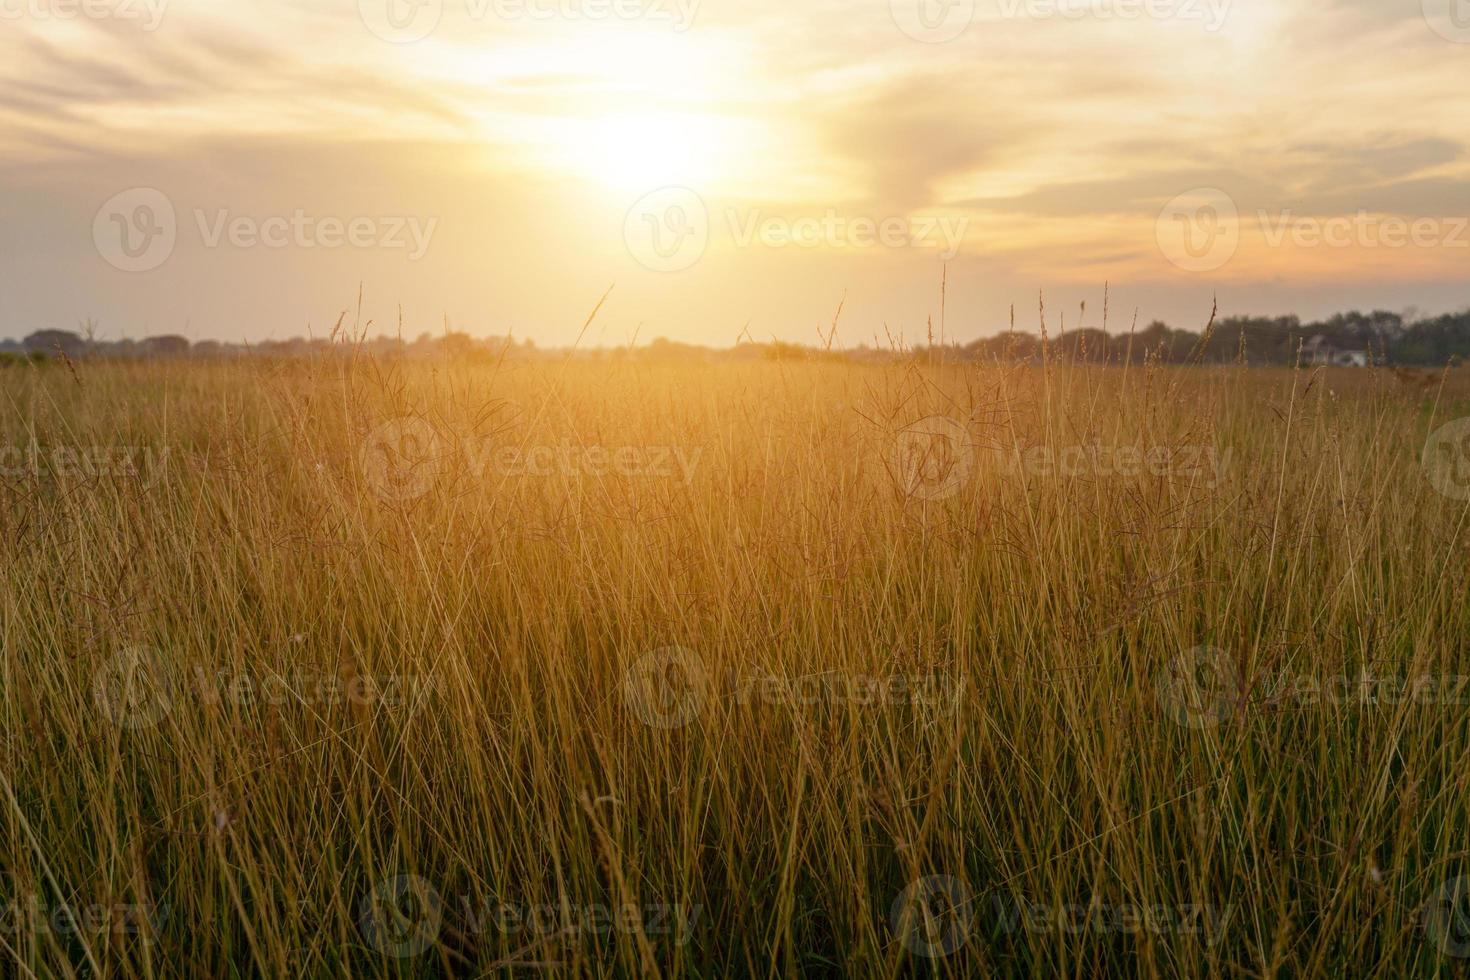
456, 344
168, 345
779, 350
1432, 342
49, 341
1089, 344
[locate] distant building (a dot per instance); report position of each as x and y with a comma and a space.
1321, 351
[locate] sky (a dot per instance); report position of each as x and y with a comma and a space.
244, 170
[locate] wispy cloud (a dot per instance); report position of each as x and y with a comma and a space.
1056, 129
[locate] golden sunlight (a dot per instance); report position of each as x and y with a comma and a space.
638, 151
682, 489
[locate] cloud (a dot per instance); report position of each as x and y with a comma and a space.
1061, 138
906, 138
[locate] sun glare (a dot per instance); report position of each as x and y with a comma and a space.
641, 151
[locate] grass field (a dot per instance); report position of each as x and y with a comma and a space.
615, 668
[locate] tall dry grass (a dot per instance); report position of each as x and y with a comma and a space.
332, 689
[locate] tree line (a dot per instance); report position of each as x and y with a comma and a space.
1379, 337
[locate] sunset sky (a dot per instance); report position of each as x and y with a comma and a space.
502, 163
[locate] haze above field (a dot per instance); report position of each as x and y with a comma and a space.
493, 162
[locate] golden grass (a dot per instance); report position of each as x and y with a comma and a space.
626, 717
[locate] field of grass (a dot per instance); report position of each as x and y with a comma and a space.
335, 668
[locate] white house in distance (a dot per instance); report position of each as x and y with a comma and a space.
1320, 350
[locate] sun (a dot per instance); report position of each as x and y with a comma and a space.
640, 151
